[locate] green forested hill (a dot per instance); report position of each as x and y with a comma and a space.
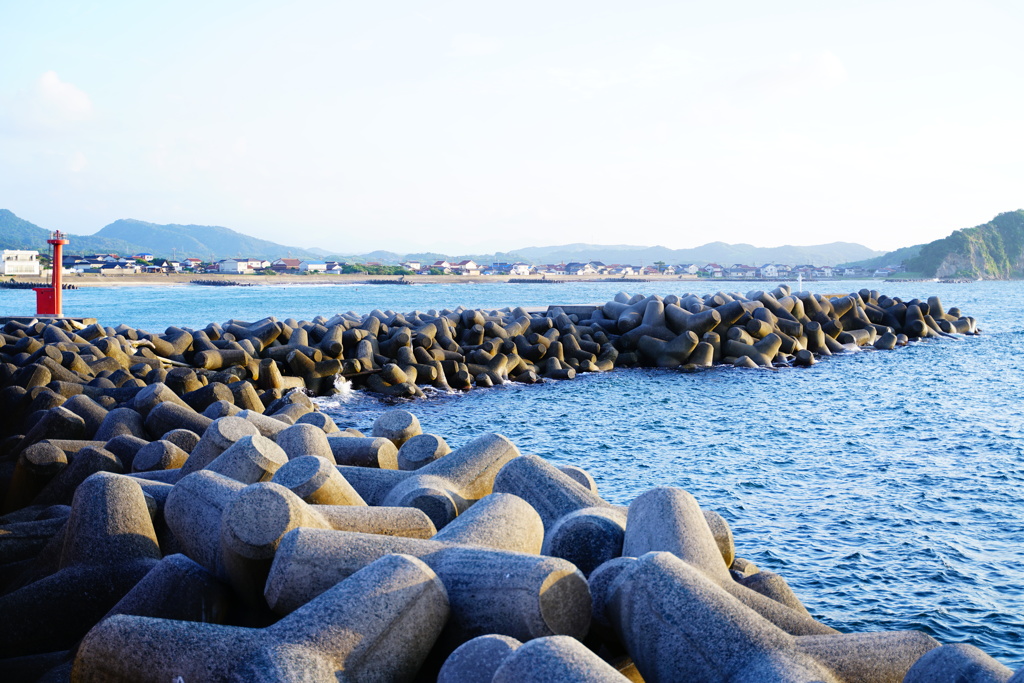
993, 251
17, 233
128, 236
202, 241
891, 258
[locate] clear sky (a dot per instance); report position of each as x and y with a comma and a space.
468, 127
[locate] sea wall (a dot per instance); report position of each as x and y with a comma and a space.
163, 518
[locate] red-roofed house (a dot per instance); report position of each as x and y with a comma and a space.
283, 264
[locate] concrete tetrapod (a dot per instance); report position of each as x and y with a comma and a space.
303, 439
377, 625
316, 481
491, 590
556, 658
85, 463
357, 451
679, 625
108, 545
177, 588
476, 660
23, 539
552, 658
448, 486
217, 438
256, 519
397, 426
421, 450
580, 526
959, 663
193, 513
669, 519
250, 459
158, 455
267, 425
34, 468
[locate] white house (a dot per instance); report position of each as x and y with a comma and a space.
738, 270
411, 265
768, 271
467, 267
82, 265
232, 265
20, 262
520, 269
313, 267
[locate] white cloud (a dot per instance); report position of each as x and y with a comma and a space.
62, 99
49, 105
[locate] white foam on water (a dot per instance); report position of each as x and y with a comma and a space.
344, 393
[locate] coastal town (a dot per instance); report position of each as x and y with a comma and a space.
32, 263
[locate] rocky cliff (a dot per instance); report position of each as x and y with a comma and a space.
992, 251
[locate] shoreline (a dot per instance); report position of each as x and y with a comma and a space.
183, 279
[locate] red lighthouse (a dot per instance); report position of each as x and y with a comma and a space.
48, 298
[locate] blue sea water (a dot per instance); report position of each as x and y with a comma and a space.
884, 486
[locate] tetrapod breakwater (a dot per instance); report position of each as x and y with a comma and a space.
396, 354
275, 535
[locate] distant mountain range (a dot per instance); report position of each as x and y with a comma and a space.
713, 252
890, 258
129, 236
993, 250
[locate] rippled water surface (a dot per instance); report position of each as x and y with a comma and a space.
884, 486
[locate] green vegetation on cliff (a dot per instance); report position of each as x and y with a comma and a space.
892, 258
993, 251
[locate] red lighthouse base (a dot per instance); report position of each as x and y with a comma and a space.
46, 301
